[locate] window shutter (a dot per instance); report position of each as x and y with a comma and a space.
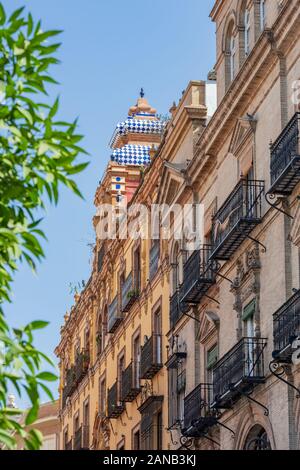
249, 310
212, 357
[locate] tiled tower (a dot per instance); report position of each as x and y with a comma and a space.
131, 146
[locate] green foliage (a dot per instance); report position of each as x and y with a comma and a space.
38, 154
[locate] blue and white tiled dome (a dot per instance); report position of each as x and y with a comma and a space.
142, 121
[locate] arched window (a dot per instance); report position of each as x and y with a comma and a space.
232, 57
257, 439
262, 14
247, 26
230, 54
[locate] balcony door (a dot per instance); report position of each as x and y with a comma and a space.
86, 424
251, 195
137, 269
157, 327
136, 361
121, 368
249, 333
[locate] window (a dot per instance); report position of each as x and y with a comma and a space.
257, 439
177, 387
77, 349
249, 332
102, 396
157, 325
76, 422
136, 444
121, 368
175, 269
247, 24
87, 340
86, 424
211, 360
66, 437
101, 332
232, 51
101, 254
136, 361
158, 433
262, 14
137, 269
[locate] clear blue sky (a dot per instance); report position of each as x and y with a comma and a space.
111, 48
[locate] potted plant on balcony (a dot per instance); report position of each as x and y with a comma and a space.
133, 294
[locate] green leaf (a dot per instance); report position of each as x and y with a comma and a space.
37, 325
2, 15
32, 414
54, 108
39, 38
47, 377
7, 439
78, 168
29, 24
16, 14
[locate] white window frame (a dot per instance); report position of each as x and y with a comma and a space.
232, 57
262, 14
247, 22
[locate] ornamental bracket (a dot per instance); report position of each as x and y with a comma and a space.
278, 369
271, 197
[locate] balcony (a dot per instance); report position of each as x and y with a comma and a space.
238, 216
286, 328
198, 415
70, 385
129, 294
154, 259
131, 383
238, 372
115, 317
151, 425
115, 407
81, 439
285, 159
198, 276
151, 357
81, 365
175, 311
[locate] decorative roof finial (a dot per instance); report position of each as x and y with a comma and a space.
142, 93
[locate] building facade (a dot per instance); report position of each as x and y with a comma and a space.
173, 348
48, 424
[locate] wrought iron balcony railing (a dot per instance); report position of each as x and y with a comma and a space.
82, 363
198, 276
70, 385
115, 316
238, 372
129, 293
115, 407
131, 387
237, 217
151, 357
151, 434
198, 414
285, 159
81, 438
286, 327
175, 311
154, 259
